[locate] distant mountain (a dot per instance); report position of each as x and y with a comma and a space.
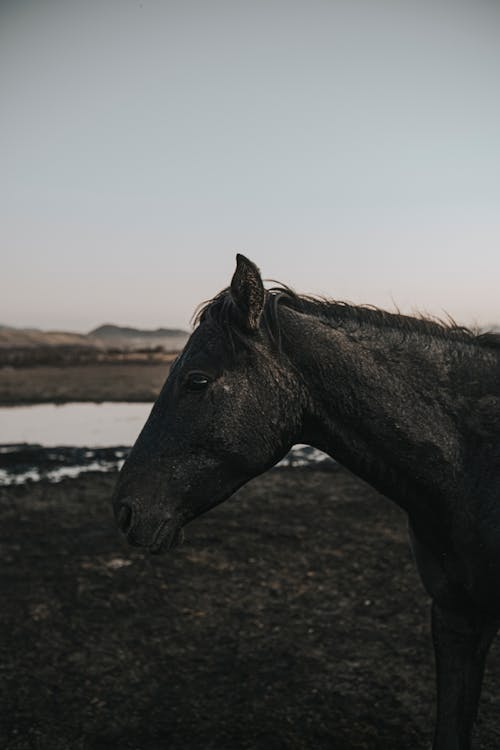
108, 330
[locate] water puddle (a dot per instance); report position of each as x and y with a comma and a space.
74, 424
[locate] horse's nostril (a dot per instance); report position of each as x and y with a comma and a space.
125, 518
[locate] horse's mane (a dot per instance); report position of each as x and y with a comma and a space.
222, 311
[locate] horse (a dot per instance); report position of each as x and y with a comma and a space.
409, 404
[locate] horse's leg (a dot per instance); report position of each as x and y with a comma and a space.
461, 643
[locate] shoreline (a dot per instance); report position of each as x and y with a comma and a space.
63, 401
28, 463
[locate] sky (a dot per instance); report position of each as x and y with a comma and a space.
350, 148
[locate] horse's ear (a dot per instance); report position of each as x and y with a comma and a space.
247, 291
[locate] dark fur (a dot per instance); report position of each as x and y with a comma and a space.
411, 405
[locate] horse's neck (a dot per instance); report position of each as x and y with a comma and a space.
379, 403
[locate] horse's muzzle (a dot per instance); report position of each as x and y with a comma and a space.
143, 527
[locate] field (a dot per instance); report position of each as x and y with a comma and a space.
291, 619
117, 380
40, 367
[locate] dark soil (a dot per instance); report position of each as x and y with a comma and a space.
292, 618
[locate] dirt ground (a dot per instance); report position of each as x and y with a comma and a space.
291, 618
119, 381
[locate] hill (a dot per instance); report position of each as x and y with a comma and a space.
170, 339
109, 330
30, 346
20, 338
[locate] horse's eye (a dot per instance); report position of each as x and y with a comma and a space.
196, 381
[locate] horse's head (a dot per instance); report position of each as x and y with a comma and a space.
229, 410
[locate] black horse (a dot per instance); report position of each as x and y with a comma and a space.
410, 405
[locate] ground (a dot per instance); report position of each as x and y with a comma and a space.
291, 618
105, 381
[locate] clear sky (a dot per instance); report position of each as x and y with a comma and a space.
349, 147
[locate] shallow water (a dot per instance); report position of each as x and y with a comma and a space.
74, 424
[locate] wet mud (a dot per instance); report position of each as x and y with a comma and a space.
21, 462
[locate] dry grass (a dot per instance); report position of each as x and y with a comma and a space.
120, 381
